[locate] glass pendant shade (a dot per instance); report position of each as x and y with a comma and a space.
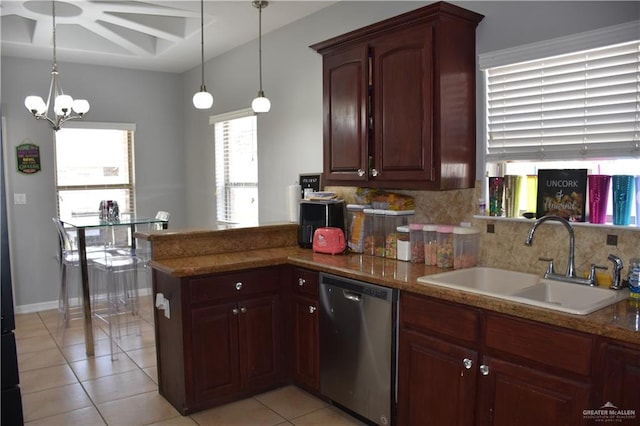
261, 104
80, 106
203, 99
35, 104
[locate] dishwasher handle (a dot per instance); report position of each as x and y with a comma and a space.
352, 296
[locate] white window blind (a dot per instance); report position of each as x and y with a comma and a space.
573, 106
93, 163
236, 168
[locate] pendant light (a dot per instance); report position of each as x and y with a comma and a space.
260, 103
64, 106
202, 99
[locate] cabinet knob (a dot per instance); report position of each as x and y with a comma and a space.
374, 172
235, 311
361, 172
312, 309
484, 370
238, 285
467, 363
301, 281
243, 310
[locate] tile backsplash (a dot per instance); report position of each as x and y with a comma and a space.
504, 248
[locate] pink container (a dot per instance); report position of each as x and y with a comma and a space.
598, 188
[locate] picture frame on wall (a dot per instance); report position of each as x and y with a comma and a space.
310, 182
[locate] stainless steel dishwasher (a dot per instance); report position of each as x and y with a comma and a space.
358, 346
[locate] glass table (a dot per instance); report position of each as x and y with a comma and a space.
83, 223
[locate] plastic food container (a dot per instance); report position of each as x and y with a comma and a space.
429, 236
356, 227
374, 233
393, 219
417, 242
444, 251
466, 247
404, 244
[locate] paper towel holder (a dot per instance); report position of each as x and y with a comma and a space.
162, 304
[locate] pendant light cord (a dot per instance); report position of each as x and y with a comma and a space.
53, 16
260, 6
202, 42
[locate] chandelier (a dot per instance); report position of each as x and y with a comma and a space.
64, 106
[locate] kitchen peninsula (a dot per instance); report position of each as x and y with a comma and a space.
232, 330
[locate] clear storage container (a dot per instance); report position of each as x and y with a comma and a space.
374, 233
356, 227
417, 242
445, 246
404, 243
634, 278
429, 236
466, 247
393, 219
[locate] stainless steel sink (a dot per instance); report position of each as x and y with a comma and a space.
528, 289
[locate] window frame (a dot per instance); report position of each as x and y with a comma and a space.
601, 37
226, 117
130, 186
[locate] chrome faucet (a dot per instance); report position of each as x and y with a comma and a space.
617, 268
570, 274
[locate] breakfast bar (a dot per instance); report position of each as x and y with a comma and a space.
202, 273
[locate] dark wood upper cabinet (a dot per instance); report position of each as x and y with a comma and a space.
399, 101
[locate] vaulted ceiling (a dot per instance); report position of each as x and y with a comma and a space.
153, 35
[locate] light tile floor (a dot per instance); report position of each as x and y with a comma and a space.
61, 386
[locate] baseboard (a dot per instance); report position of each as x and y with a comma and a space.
46, 306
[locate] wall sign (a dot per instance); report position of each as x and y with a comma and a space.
312, 182
28, 158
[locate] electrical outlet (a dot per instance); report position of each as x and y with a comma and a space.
612, 240
491, 228
19, 198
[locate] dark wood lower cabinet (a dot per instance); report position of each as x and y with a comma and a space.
437, 382
305, 328
306, 343
214, 343
223, 341
619, 379
511, 394
507, 371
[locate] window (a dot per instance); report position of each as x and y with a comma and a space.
236, 150
572, 102
94, 163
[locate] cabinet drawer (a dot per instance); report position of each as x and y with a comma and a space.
541, 343
234, 285
305, 282
437, 317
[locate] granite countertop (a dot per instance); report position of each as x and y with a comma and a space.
620, 321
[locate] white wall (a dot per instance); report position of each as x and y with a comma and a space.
151, 100
290, 135
174, 143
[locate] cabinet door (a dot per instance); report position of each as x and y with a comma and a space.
345, 97
403, 103
214, 341
436, 382
258, 325
510, 394
620, 378
306, 342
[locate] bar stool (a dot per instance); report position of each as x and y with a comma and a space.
69, 262
115, 298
